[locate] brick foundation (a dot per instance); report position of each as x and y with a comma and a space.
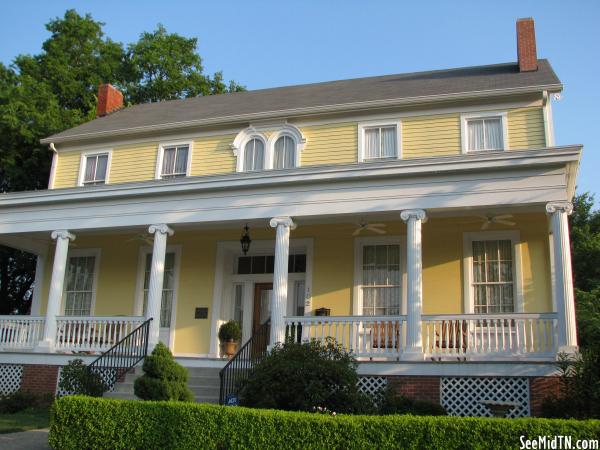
539, 389
425, 388
39, 379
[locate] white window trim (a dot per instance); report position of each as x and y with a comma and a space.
139, 289
79, 252
83, 163
299, 142
464, 132
468, 238
359, 243
160, 155
362, 126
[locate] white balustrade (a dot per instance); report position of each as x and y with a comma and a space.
490, 334
20, 332
365, 336
93, 334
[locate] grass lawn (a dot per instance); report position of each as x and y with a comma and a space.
30, 419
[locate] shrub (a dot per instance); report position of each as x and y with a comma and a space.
300, 376
77, 378
21, 400
397, 404
230, 331
117, 424
164, 378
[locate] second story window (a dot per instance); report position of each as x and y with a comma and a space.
378, 141
284, 155
95, 169
174, 161
254, 155
482, 132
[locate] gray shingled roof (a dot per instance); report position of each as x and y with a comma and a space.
252, 104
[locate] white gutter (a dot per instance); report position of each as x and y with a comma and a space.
53, 167
344, 107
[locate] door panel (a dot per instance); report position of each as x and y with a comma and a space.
262, 304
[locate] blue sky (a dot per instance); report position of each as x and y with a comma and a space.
274, 43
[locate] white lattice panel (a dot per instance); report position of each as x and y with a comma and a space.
462, 396
108, 376
10, 378
372, 386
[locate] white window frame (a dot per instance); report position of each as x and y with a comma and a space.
362, 126
299, 142
464, 130
83, 164
160, 155
468, 291
241, 153
83, 252
139, 289
359, 244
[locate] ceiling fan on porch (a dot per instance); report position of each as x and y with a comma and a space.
365, 226
500, 219
143, 237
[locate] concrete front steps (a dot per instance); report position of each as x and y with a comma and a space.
203, 382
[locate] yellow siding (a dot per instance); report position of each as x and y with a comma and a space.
67, 169
426, 136
333, 270
330, 144
526, 128
213, 155
133, 163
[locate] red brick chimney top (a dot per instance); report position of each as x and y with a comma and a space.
110, 99
526, 50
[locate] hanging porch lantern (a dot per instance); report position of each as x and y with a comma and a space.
245, 240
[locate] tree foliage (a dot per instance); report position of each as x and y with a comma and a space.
57, 89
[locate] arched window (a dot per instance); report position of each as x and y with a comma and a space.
284, 155
254, 152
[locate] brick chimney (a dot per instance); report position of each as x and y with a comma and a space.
110, 99
526, 45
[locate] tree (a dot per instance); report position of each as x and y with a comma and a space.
46, 93
164, 66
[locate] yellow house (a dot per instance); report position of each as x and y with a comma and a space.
419, 219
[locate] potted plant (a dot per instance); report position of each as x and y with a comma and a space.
229, 333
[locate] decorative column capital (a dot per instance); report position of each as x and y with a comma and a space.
63, 234
162, 228
285, 221
553, 207
414, 213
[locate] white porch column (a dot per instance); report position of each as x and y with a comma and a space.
155, 287
563, 275
414, 341
62, 238
280, 277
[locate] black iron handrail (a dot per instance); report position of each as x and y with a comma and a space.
122, 356
242, 364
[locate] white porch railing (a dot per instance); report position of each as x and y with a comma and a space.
490, 334
93, 334
21, 332
365, 336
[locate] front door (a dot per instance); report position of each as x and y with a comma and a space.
262, 304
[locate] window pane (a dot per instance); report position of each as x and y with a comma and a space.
168, 161
238, 306
244, 265
381, 280
372, 143
493, 133
492, 276
476, 138
388, 138
90, 169
181, 160
299, 293
253, 155
284, 153
102, 162
79, 290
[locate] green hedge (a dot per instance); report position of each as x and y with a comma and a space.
85, 422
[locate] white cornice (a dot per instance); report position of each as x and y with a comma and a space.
566, 155
296, 112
